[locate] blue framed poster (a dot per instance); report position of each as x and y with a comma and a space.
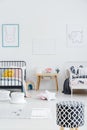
10, 35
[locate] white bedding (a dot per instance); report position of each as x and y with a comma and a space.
77, 77
78, 81
10, 81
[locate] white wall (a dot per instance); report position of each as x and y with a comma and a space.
43, 19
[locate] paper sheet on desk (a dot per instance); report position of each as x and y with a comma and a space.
41, 113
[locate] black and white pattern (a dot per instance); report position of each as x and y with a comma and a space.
70, 114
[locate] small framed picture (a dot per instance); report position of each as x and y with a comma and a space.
10, 35
76, 35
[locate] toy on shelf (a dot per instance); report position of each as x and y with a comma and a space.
48, 70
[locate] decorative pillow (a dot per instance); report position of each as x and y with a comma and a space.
4, 95
17, 73
82, 71
8, 73
74, 70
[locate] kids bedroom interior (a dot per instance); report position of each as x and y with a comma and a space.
43, 64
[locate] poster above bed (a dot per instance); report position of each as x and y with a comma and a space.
10, 35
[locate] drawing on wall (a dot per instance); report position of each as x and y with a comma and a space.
10, 35
75, 35
43, 46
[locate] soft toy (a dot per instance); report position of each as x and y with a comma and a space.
8, 73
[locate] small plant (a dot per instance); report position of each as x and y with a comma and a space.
57, 70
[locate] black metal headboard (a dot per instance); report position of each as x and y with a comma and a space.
12, 63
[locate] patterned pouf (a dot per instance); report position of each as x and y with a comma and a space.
70, 114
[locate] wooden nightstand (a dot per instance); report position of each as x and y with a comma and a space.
42, 75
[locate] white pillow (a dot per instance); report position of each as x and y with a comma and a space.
4, 95
17, 97
82, 71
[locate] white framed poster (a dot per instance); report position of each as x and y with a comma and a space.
76, 35
10, 35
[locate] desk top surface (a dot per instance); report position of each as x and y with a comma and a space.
47, 74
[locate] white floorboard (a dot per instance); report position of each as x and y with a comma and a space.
40, 124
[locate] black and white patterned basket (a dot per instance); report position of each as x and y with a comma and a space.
70, 114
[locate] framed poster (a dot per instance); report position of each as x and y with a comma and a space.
10, 35
76, 35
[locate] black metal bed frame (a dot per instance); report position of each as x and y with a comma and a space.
9, 82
